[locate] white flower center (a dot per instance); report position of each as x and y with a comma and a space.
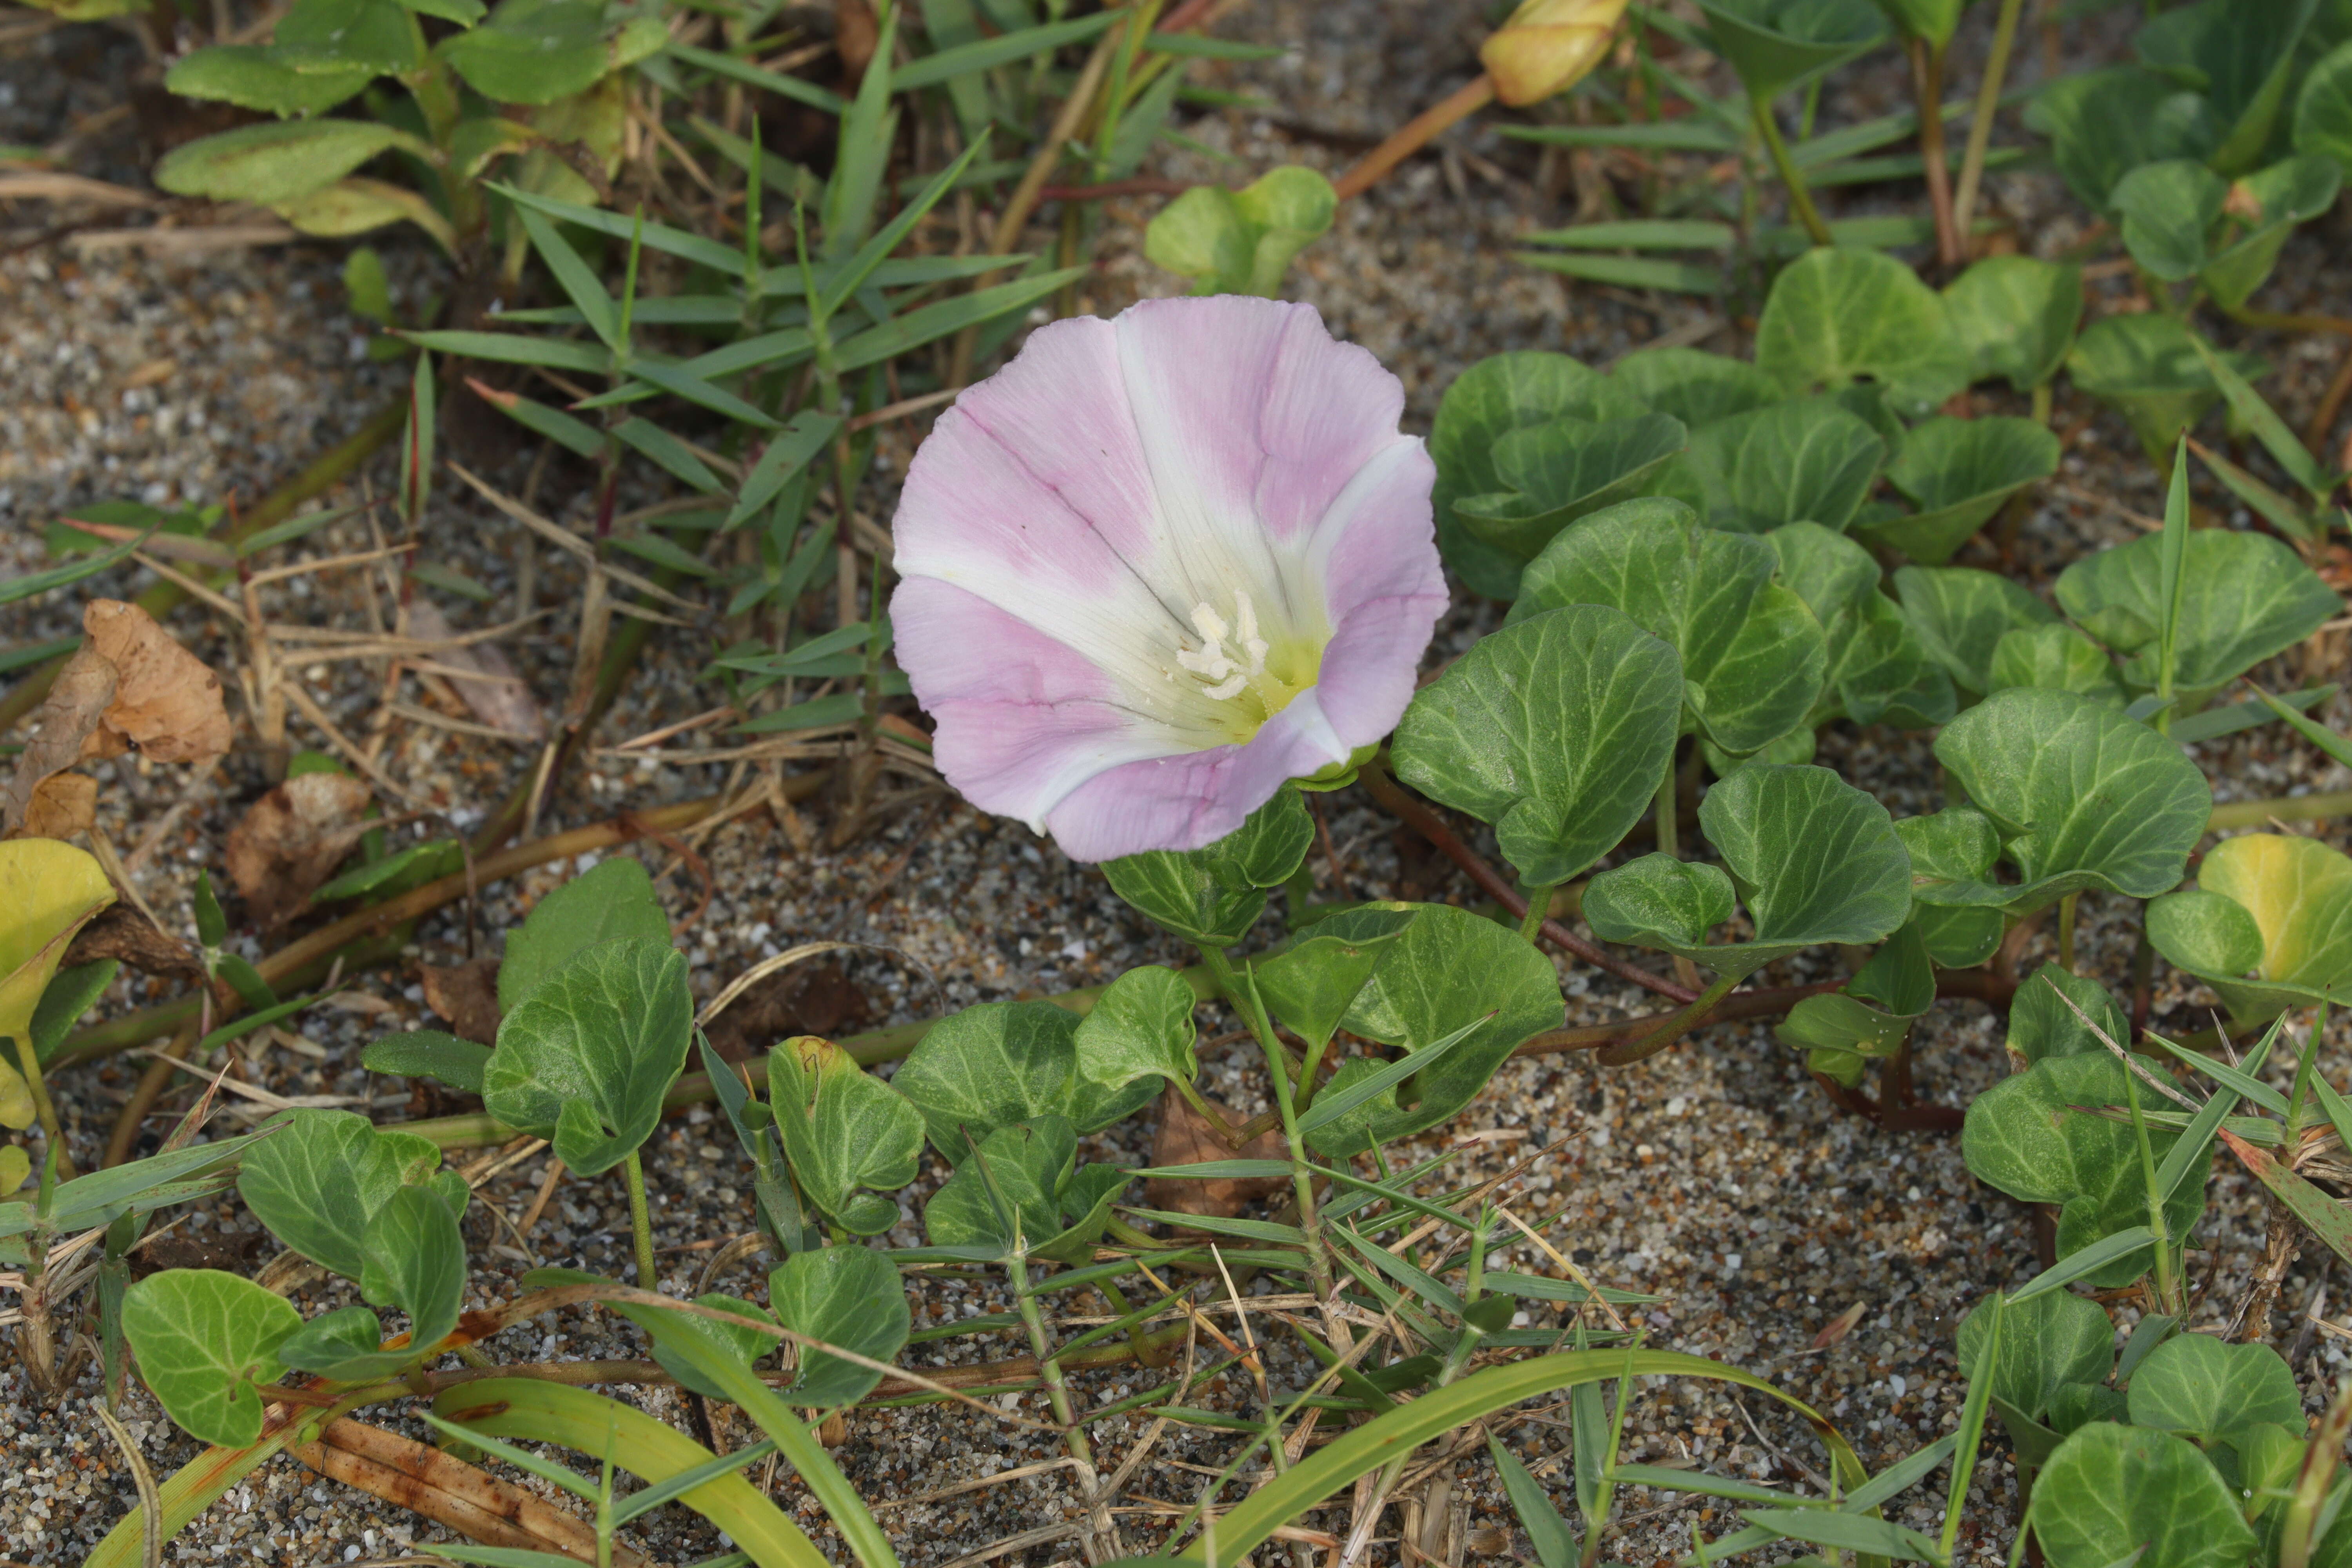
1238, 678
1225, 675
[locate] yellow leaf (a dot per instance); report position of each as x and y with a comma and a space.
2299, 891
47, 891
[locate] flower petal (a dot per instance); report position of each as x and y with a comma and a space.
1375, 553
1190, 801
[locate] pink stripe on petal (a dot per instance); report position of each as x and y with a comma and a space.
1023, 719
1377, 555
1190, 801
1252, 407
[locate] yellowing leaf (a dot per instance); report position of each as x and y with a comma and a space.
2299, 891
47, 891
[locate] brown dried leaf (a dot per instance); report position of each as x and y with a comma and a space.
467, 997
1837, 1327
500, 697
63, 804
291, 839
167, 701
817, 998
120, 932
1186, 1139
70, 715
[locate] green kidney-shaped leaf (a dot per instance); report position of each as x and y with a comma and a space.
1022, 1186
2047, 1341
319, 1180
415, 1261
2149, 1493
1564, 470
586, 1057
2147, 367
1003, 1063
1818, 859
2323, 109
2103, 124
2245, 596
845, 1295
2084, 797
1242, 242
274, 163
2195, 1385
1958, 473
1958, 844
1309, 986
1693, 385
2239, 58
1139, 1029
254, 76
2270, 925
2015, 316
1807, 461
844, 1132
613, 899
1485, 402
2272, 202
1961, 614
1753, 657
2169, 209
2036, 1137
1448, 971
1773, 45
1878, 666
203, 1338
532, 51
1834, 316
2041, 1026
1556, 729
1213, 896
2055, 655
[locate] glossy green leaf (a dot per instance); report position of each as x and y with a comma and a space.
1958, 473
319, 1180
1242, 242
612, 899
429, 1053
70, 993
1498, 394
2287, 194
1753, 659
1879, 669
2149, 369
1556, 729
1958, 844
1309, 986
532, 51
1564, 470
2101, 124
1774, 44
1003, 1063
2047, 1342
1834, 316
2015, 316
2195, 1385
415, 1261
2269, 926
1214, 896
1693, 385
2041, 1026
203, 1338
1807, 461
2026, 1136
277, 162
585, 1058
1021, 1191
2240, 60
2057, 656
2169, 209
2323, 108
1818, 860
1961, 614
2245, 597
852, 1140
2110, 1486
1449, 971
845, 1295
2084, 797
255, 76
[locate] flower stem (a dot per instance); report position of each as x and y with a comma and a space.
641, 1222
1801, 199
1413, 135
1928, 79
1972, 161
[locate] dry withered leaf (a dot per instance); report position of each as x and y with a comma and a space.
291, 839
63, 804
467, 997
1186, 1139
1837, 1327
120, 932
64, 721
499, 696
816, 998
167, 701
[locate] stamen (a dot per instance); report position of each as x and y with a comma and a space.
1252, 644
1212, 627
1233, 687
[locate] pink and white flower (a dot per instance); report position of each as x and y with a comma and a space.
1157, 565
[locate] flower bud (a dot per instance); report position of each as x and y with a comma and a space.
1547, 46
